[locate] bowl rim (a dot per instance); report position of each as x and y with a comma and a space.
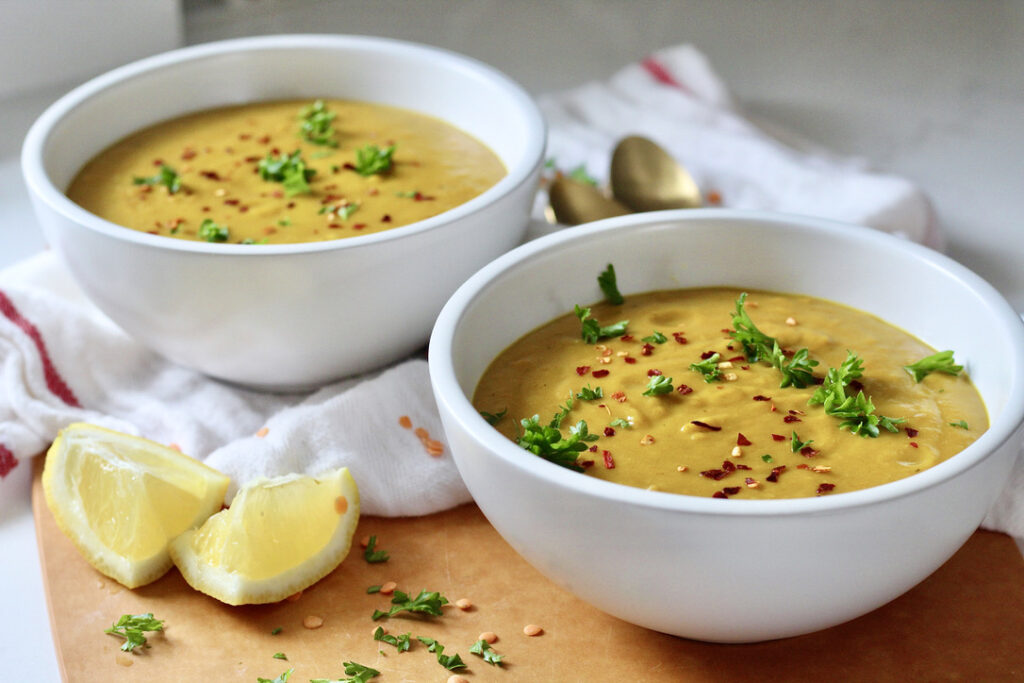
448, 392
40, 184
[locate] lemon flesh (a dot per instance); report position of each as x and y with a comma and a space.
121, 499
279, 536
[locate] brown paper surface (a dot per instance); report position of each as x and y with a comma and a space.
962, 623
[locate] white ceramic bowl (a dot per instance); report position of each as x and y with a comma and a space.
298, 315
733, 570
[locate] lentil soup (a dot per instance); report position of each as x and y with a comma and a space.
285, 172
674, 403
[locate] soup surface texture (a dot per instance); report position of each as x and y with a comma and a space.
284, 172
739, 434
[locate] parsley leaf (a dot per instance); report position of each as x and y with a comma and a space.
580, 175
280, 655
401, 643
658, 384
493, 418
588, 394
276, 631
766, 457
591, 331
655, 338
708, 368
609, 286
484, 649
374, 556
166, 176
623, 424
796, 444
937, 362
288, 169
547, 442
358, 672
425, 603
317, 124
132, 626
757, 346
450, 662
371, 159
212, 232
856, 412
341, 211
283, 678
962, 424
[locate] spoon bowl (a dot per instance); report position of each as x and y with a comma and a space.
645, 177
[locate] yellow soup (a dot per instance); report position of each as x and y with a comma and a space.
722, 425
283, 172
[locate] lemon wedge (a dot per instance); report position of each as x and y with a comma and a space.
121, 499
279, 537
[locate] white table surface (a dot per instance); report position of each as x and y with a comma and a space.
930, 91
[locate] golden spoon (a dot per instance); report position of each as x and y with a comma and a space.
645, 178
573, 202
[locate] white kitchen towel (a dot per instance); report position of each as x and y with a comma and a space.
62, 361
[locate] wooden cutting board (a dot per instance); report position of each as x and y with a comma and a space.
963, 623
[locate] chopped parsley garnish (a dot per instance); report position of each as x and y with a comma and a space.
288, 169
131, 627
249, 240
708, 368
622, 424
450, 662
371, 159
424, 603
766, 458
372, 555
563, 412
580, 175
658, 384
342, 211
606, 280
374, 589
484, 649
796, 444
856, 412
401, 643
962, 424
493, 418
285, 222
592, 332
588, 394
358, 673
283, 678
757, 346
166, 176
655, 338
547, 442
317, 124
276, 631
937, 362
280, 655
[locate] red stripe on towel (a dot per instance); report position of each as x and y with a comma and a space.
658, 71
7, 461
54, 381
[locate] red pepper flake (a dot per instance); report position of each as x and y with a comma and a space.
707, 354
808, 452
243, 209
705, 425
290, 205
609, 431
619, 396
629, 359
772, 408
825, 488
592, 449
911, 432
212, 175
264, 140
331, 198
743, 467
678, 336
914, 444
253, 159
737, 359
585, 463
797, 412
726, 330
778, 437
803, 466
188, 153
582, 370
742, 440
714, 474
789, 419
205, 209
776, 471
626, 338
646, 350
731, 490
232, 202
358, 226
600, 373
420, 197
158, 162
653, 372
244, 136
719, 494
759, 397
728, 466
386, 218
684, 390
744, 367
714, 197
609, 462
334, 226
349, 166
